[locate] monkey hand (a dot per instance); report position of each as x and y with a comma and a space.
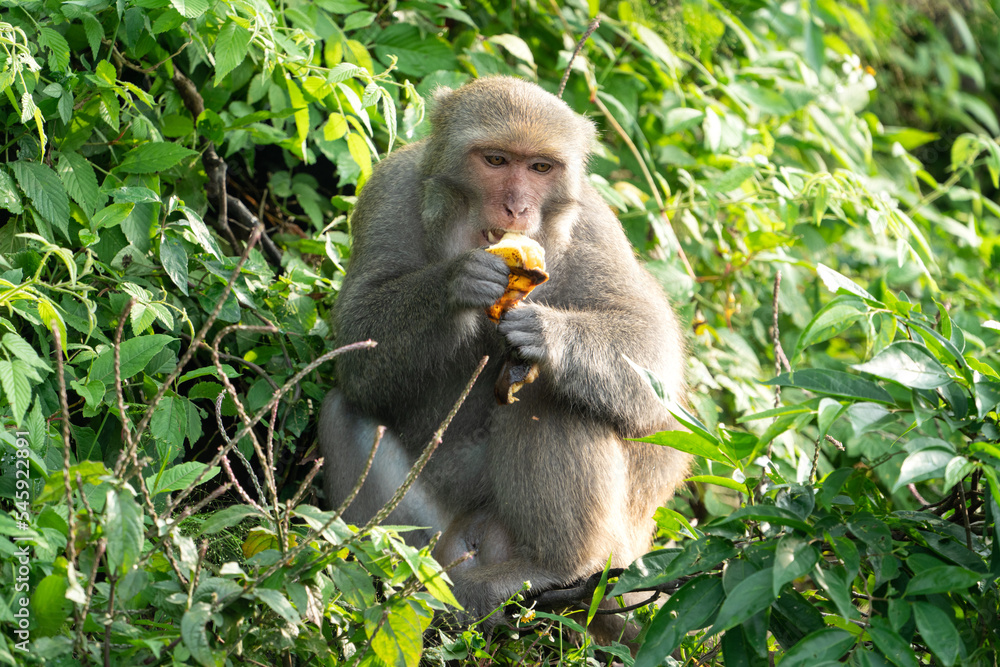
522, 327
477, 280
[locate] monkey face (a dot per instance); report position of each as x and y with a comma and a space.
511, 190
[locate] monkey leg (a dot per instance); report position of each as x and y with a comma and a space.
346, 439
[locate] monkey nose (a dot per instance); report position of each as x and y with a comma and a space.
515, 210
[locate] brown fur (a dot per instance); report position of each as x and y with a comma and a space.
546, 488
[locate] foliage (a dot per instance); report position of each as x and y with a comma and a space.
738, 141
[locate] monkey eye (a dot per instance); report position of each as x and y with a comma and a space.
495, 160
541, 167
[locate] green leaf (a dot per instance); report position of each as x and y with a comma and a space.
830, 321
168, 427
111, 216
921, 465
826, 645
153, 157
768, 513
938, 631
10, 199
78, 177
942, 579
23, 350
730, 180
514, 45
123, 529
174, 258
278, 603
194, 632
58, 48
726, 482
692, 607
418, 54
179, 477
400, 639
833, 383
835, 282
793, 558
190, 8
231, 49
692, 443
49, 606
909, 364
16, 389
987, 394
753, 594
661, 566
894, 647
135, 354
46, 192
355, 583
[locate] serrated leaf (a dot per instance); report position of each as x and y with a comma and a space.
190, 8
417, 54
153, 157
16, 389
168, 426
23, 350
123, 529
77, 175
57, 46
94, 31
46, 192
665, 565
231, 49
359, 152
135, 354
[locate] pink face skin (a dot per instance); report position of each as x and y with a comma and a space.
512, 188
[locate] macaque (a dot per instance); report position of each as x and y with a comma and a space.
545, 488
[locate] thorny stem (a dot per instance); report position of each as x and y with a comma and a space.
579, 46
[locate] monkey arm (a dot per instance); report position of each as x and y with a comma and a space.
581, 354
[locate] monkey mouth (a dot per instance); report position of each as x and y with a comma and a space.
494, 235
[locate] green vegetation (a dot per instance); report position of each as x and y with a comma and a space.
849, 147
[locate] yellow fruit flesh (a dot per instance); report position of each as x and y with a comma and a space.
526, 260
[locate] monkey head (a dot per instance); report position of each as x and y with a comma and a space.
503, 155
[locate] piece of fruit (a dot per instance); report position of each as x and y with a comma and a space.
526, 260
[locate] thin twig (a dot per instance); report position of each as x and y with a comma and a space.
965, 514
579, 46
379, 432
421, 462
64, 409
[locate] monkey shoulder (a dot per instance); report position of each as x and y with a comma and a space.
387, 215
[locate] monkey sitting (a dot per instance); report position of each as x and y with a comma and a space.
542, 490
